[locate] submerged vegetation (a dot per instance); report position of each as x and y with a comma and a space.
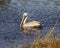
47, 41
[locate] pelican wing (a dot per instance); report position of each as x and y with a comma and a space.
31, 24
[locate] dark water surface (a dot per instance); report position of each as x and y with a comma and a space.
47, 12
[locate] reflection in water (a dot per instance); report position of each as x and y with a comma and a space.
31, 33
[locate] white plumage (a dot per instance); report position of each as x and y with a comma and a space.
31, 24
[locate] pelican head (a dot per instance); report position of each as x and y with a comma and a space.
25, 14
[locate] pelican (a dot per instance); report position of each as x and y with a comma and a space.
29, 25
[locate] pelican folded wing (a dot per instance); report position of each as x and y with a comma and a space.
32, 24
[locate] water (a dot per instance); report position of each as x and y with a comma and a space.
11, 15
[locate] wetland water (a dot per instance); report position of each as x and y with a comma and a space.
47, 12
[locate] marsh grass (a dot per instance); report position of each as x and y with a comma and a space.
47, 41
